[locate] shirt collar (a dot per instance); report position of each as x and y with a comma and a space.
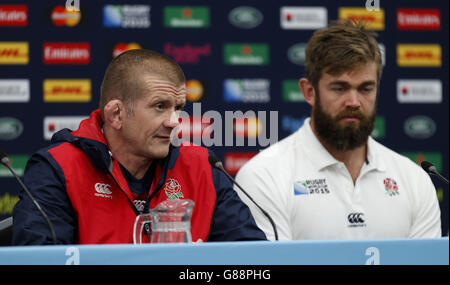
321, 158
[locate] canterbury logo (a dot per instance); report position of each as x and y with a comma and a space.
355, 218
102, 188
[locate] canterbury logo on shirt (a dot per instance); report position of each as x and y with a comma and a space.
103, 190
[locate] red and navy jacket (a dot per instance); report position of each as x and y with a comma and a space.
81, 188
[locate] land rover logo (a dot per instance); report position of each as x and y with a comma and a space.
10, 128
419, 127
296, 53
245, 17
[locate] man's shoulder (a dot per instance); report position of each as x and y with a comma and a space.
393, 158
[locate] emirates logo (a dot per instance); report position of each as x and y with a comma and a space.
173, 189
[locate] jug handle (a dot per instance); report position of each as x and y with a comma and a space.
135, 240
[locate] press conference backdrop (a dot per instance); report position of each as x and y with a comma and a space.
237, 55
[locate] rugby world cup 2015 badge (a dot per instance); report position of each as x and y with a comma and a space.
173, 189
391, 187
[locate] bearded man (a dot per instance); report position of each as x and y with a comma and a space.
330, 179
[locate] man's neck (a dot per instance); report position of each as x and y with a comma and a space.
135, 164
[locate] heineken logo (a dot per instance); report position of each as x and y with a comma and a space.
173, 189
186, 17
246, 54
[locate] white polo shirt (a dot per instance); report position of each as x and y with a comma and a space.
311, 195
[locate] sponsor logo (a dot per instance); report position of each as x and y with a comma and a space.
391, 187
246, 54
186, 17
246, 90
55, 124
14, 53
233, 161
356, 220
379, 130
419, 91
18, 163
123, 47
433, 157
296, 54
67, 90
14, 15
311, 186
61, 16
418, 19
419, 55
173, 189
126, 16
245, 17
10, 128
291, 92
140, 204
14, 90
103, 190
187, 54
374, 20
194, 90
303, 18
66, 53
419, 127
291, 124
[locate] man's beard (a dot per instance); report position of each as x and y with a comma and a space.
348, 137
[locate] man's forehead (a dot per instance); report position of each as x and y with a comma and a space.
360, 73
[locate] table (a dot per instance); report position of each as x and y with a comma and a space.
354, 252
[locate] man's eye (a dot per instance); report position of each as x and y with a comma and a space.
159, 106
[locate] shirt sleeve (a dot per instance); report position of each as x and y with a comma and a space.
232, 219
44, 179
427, 216
261, 184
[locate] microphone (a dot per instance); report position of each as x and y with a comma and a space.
4, 159
431, 169
217, 164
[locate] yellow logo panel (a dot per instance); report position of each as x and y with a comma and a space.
67, 90
419, 55
14, 53
374, 20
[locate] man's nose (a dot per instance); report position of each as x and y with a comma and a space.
172, 121
352, 99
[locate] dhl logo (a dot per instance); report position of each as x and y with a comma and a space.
419, 55
373, 20
14, 53
67, 90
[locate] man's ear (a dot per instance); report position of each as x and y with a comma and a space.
308, 91
114, 112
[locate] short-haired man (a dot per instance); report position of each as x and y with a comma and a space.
330, 179
94, 181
